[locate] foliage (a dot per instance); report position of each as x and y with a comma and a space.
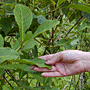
32, 28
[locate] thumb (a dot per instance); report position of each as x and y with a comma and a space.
58, 57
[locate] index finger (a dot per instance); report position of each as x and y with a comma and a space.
47, 57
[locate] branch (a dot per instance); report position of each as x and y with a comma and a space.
7, 81
68, 83
74, 26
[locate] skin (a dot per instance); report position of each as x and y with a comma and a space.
65, 63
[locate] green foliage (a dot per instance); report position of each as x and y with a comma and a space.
47, 25
1, 41
23, 16
36, 61
80, 7
7, 54
60, 2
33, 28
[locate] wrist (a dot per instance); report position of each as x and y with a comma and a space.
86, 61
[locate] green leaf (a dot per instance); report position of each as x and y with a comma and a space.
75, 41
6, 24
83, 26
47, 25
6, 87
60, 2
36, 61
27, 36
67, 45
1, 72
23, 17
35, 51
80, 7
16, 66
29, 44
61, 42
7, 54
1, 41
41, 19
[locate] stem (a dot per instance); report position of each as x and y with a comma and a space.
7, 81
67, 83
74, 26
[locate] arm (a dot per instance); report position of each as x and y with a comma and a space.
87, 61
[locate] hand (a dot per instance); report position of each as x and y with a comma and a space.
65, 63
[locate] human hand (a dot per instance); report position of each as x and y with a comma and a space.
65, 63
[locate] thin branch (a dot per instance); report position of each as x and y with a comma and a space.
81, 81
67, 83
74, 26
8, 81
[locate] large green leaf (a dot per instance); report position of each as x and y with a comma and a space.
29, 44
16, 66
80, 7
60, 2
7, 54
36, 61
1, 41
23, 17
47, 25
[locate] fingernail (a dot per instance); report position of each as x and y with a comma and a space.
47, 62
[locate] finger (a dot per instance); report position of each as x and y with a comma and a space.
51, 74
47, 57
38, 69
58, 57
32, 67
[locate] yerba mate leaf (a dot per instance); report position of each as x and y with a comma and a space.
36, 61
47, 25
7, 54
23, 17
80, 7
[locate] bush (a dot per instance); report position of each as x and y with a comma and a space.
31, 28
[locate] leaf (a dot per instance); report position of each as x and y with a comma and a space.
6, 87
1, 72
1, 41
16, 66
35, 51
75, 41
83, 26
6, 24
36, 61
23, 17
27, 36
80, 7
7, 54
47, 25
67, 45
61, 42
29, 44
60, 2
41, 19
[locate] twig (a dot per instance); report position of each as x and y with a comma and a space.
67, 83
81, 80
7, 81
74, 26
